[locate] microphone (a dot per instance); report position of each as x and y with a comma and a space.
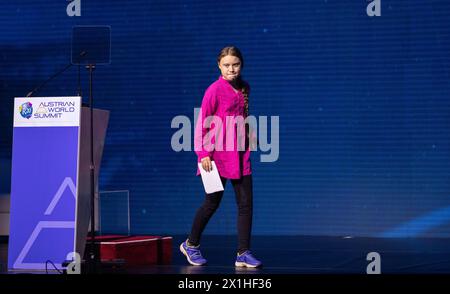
82, 54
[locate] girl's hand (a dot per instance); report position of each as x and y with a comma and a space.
206, 164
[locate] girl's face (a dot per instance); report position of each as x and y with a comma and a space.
230, 67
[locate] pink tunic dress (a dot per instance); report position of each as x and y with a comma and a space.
224, 103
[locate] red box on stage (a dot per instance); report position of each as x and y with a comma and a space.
135, 250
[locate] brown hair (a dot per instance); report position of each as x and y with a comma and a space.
243, 86
232, 51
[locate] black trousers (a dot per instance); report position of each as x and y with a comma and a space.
243, 189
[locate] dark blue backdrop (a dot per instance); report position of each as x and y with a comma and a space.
363, 105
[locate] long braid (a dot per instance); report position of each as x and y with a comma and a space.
244, 90
245, 93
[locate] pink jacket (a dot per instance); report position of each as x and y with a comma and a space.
221, 100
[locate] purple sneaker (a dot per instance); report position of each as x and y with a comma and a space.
247, 259
193, 254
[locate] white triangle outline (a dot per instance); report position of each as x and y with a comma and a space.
66, 183
18, 264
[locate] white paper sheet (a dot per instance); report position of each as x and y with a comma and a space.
211, 180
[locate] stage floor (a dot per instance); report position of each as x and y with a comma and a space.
303, 255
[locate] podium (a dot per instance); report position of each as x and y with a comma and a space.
50, 181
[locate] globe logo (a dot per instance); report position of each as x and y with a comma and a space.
26, 110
